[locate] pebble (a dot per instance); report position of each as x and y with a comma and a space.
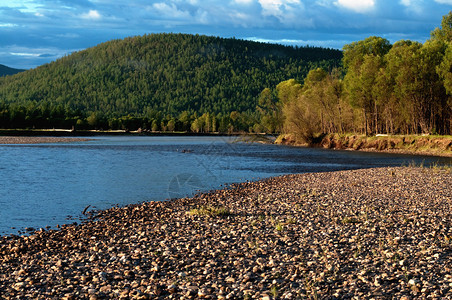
362, 234
37, 140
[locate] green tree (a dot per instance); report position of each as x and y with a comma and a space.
93, 119
197, 125
171, 125
155, 125
434, 106
417, 86
445, 69
444, 33
362, 61
270, 113
288, 90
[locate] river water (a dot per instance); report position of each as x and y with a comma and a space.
49, 184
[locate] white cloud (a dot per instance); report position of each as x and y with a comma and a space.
314, 22
413, 5
337, 44
240, 16
202, 17
92, 15
22, 5
288, 12
241, 19
278, 41
243, 2
24, 57
359, 6
444, 2
171, 11
24, 54
7, 25
68, 35
323, 3
273, 7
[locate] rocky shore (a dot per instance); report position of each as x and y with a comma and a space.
366, 234
37, 140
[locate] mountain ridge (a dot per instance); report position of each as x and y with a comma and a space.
5, 70
160, 75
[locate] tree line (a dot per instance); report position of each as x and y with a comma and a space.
404, 88
158, 81
45, 115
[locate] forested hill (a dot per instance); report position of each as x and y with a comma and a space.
4, 70
164, 75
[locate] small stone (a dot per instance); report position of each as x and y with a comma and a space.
92, 291
413, 281
203, 293
230, 280
105, 289
182, 274
103, 276
172, 288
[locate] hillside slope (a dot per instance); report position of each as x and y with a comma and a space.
4, 70
163, 74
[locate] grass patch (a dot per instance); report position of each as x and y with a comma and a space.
350, 220
210, 211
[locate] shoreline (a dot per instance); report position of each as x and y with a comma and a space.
381, 232
28, 140
398, 144
93, 133
348, 143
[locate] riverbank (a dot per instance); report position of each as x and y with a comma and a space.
93, 133
409, 144
372, 233
11, 140
416, 145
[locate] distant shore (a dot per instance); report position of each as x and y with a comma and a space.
12, 140
411, 144
372, 233
93, 133
38, 139
401, 144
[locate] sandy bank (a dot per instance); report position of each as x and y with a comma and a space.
376, 233
37, 140
410, 144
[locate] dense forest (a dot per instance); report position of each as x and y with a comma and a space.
157, 82
4, 70
404, 88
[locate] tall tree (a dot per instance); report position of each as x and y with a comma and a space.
270, 113
362, 61
445, 32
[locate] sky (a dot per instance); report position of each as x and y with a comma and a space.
35, 32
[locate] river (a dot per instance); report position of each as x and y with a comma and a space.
49, 184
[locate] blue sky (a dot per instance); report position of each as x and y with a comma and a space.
34, 32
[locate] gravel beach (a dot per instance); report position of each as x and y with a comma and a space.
37, 140
381, 233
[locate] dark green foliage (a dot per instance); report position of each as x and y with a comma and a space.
158, 81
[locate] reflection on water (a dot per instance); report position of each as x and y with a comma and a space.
45, 184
